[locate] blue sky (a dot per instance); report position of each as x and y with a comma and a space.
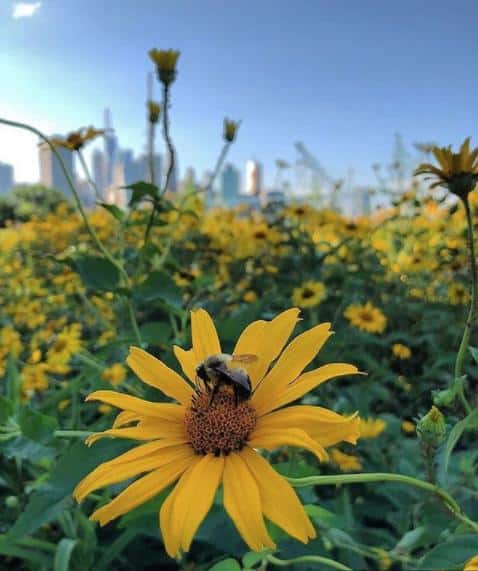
341, 75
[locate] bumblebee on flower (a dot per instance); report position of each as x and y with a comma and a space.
233, 406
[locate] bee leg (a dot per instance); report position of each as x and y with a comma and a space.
213, 393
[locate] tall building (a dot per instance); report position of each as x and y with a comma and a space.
189, 184
137, 168
111, 148
230, 185
6, 178
253, 178
99, 171
51, 173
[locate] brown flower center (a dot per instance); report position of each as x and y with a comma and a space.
366, 316
308, 293
221, 426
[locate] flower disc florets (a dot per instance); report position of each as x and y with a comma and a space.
220, 426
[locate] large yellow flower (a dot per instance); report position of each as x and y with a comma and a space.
472, 564
203, 441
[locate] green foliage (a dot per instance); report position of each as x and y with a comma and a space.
35, 200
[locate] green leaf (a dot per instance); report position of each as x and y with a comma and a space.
63, 554
451, 554
50, 499
226, 565
474, 353
97, 273
35, 425
156, 332
159, 285
453, 438
253, 557
114, 210
6, 409
140, 190
33, 556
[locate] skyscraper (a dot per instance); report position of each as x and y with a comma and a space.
6, 178
51, 173
230, 184
111, 147
253, 178
99, 171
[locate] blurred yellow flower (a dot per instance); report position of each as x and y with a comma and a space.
250, 296
346, 462
115, 374
309, 294
366, 317
408, 427
401, 351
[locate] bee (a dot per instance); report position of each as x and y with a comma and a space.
219, 370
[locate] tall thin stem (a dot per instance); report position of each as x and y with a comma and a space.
465, 340
445, 497
151, 152
90, 180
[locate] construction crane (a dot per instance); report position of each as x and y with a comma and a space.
319, 178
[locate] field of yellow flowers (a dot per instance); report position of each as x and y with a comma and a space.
394, 287
165, 399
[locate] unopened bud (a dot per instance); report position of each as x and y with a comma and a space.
432, 427
165, 61
230, 130
154, 110
444, 397
11, 502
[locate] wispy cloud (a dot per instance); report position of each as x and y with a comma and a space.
25, 9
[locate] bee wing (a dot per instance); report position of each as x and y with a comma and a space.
235, 376
246, 358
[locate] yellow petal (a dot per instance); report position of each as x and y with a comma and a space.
279, 501
142, 490
324, 426
193, 499
125, 417
140, 406
270, 438
297, 355
136, 461
242, 502
306, 383
145, 430
204, 335
156, 374
187, 360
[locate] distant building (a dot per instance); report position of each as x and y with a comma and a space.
99, 171
115, 193
87, 195
111, 148
51, 172
230, 185
189, 184
253, 178
137, 168
6, 178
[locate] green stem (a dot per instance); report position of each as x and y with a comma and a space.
385, 477
134, 323
151, 153
91, 182
220, 160
72, 433
465, 340
99, 244
307, 559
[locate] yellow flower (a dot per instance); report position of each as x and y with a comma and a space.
472, 564
458, 294
165, 61
75, 140
366, 317
456, 171
212, 437
346, 462
371, 427
250, 296
401, 351
66, 343
63, 404
408, 427
383, 559
309, 294
154, 110
115, 374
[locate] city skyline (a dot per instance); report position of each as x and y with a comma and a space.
316, 73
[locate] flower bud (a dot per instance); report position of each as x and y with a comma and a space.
230, 130
432, 427
165, 61
11, 502
444, 397
154, 110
